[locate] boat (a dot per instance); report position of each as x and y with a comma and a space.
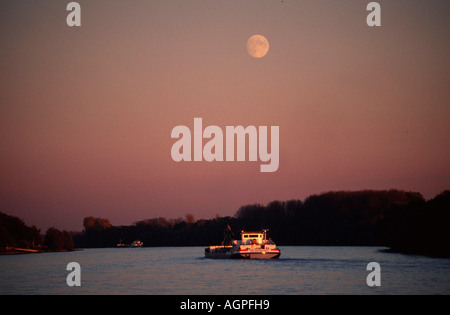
252, 245
137, 243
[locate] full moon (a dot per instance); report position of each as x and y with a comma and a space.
257, 46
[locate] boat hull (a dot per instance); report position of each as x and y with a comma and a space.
219, 252
255, 255
230, 254
226, 255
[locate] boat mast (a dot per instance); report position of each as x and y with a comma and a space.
228, 239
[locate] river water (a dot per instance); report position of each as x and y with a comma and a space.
185, 271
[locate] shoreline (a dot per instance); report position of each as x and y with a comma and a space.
24, 251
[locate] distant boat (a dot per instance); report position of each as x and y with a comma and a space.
252, 245
120, 244
137, 243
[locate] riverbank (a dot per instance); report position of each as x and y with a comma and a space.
16, 251
20, 251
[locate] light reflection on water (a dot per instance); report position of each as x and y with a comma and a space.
184, 270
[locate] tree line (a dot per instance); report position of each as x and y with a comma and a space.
14, 234
403, 221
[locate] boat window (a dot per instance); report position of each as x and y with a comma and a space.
254, 236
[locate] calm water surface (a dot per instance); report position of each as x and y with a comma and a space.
168, 270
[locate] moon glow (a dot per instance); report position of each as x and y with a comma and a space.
257, 46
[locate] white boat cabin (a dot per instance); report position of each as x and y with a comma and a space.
254, 239
248, 238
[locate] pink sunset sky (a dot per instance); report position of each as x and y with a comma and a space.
86, 113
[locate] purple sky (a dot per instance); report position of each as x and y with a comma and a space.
86, 113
